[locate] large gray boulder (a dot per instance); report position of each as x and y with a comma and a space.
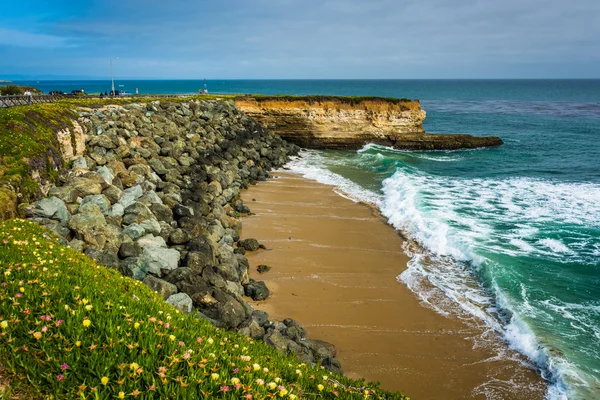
160, 259
89, 225
100, 200
51, 208
134, 231
182, 302
130, 196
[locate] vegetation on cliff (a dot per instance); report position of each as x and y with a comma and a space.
311, 99
72, 329
28, 145
14, 90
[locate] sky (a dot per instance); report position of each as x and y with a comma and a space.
299, 39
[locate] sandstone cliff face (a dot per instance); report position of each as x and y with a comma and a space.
347, 123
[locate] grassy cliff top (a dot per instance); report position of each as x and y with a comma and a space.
72, 329
310, 99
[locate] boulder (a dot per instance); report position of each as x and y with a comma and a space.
89, 225
249, 244
263, 268
129, 249
51, 208
130, 196
164, 288
137, 212
85, 186
134, 267
261, 317
113, 194
321, 349
162, 212
103, 257
134, 231
151, 240
276, 339
182, 302
106, 173
160, 260
151, 226
68, 194
252, 329
257, 290
99, 200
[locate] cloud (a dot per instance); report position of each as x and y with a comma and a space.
324, 38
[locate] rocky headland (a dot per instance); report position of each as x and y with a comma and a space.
154, 193
327, 122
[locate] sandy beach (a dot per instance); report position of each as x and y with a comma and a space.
334, 267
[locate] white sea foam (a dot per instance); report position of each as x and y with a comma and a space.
310, 165
555, 245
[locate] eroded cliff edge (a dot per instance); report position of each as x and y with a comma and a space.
328, 122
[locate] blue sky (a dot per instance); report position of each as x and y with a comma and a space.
300, 39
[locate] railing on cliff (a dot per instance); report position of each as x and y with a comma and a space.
12, 101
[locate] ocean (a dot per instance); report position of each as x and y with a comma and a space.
507, 238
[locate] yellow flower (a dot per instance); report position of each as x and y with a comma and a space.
104, 380
4, 324
78, 343
234, 381
37, 335
66, 306
121, 395
89, 307
171, 337
85, 301
271, 385
320, 387
210, 340
283, 392
134, 366
7, 273
87, 322
293, 396
22, 289
255, 367
325, 377
214, 376
277, 379
136, 325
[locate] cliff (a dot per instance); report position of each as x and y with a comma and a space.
350, 123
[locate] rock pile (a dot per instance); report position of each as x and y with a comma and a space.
156, 196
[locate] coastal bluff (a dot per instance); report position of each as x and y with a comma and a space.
348, 123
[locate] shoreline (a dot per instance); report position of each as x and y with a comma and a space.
318, 243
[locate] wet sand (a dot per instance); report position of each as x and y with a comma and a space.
334, 267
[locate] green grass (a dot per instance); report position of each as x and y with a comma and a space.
72, 329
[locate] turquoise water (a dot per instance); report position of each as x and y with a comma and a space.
509, 236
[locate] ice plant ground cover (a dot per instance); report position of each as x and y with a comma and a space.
72, 329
